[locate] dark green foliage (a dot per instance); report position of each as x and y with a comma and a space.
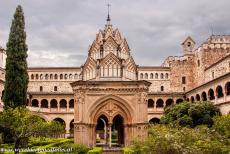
16, 64
190, 114
168, 139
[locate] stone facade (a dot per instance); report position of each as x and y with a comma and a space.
110, 87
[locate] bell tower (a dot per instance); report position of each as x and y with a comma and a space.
188, 45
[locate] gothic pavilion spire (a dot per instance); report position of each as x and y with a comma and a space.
108, 17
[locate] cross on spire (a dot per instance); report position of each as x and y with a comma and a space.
108, 17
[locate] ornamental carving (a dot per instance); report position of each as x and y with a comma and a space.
142, 97
80, 97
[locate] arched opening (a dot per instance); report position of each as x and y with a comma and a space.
162, 76
211, 94
178, 101
34, 103
53, 103
219, 92
162, 88
160, 103
32, 77
146, 75
102, 130
227, 88
71, 103
192, 99
141, 76
156, 76
63, 103
71, 126
197, 97
204, 96
150, 103
62, 122
44, 103
154, 121
169, 102
118, 130
151, 76
55, 76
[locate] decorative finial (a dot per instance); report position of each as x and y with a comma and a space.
108, 17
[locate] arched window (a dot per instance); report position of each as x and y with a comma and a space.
51, 76
75, 76
70, 76
55, 76
192, 99
55, 88
151, 76
66, 76
146, 75
37, 77
166, 75
160, 103
197, 97
156, 76
169, 102
53, 103
150, 103
219, 91
63, 103
227, 88
162, 88
141, 76
41, 77
204, 96
44, 103
32, 77
34, 103
61, 76
211, 94
46, 77
71, 103
178, 101
162, 76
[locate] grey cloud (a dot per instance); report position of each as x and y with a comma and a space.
60, 32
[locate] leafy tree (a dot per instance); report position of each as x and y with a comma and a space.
169, 139
16, 64
23, 124
190, 114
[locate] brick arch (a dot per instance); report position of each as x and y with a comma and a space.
124, 109
219, 91
204, 96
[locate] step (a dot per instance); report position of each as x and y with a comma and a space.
112, 150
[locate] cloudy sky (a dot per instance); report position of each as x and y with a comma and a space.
59, 32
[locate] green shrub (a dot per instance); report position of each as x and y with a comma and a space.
164, 139
95, 150
127, 150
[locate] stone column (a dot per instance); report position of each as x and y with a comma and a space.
67, 130
110, 135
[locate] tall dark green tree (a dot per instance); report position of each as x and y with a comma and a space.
16, 65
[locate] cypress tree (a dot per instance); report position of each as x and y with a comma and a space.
16, 79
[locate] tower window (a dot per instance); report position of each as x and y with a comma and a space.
41, 88
189, 44
55, 88
213, 75
198, 63
162, 88
183, 80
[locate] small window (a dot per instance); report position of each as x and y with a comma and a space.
141, 76
156, 75
41, 88
146, 75
198, 63
213, 75
183, 80
55, 88
184, 89
189, 44
32, 77
162, 88
162, 76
